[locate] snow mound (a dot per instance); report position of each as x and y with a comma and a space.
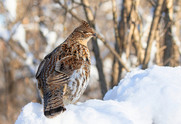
142, 97
155, 92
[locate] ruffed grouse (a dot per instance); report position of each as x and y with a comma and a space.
64, 73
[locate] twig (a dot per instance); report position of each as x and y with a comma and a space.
113, 52
66, 9
117, 38
153, 3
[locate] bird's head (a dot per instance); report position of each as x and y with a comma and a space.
84, 33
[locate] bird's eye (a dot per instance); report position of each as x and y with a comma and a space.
81, 31
88, 33
85, 32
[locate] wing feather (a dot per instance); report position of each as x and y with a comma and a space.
68, 64
57, 78
40, 68
64, 68
42, 64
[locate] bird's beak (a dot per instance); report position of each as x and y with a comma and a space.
94, 35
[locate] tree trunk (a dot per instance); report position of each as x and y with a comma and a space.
152, 33
168, 40
116, 66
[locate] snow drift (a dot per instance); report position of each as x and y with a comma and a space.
142, 97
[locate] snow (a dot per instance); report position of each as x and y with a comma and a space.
20, 36
142, 97
154, 92
11, 7
153, 53
147, 20
4, 33
51, 37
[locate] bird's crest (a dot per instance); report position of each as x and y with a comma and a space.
84, 23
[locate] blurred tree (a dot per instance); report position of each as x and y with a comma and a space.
152, 33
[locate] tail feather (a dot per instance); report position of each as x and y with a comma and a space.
53, 103
53, 112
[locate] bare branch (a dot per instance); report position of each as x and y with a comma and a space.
69, 11
117, 38
113, 52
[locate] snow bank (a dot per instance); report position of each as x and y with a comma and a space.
90, 112
142, 97
156, 92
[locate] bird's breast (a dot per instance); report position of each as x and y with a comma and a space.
78, 83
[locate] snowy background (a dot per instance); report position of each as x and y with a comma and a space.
149, 96
30, 29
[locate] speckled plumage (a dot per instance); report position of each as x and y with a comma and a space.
64, 73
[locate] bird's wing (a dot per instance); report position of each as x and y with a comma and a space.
68, 64
57, 78
42, 64
40, 68
64, 68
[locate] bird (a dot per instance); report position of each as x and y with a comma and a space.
64, 73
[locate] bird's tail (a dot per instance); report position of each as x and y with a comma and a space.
53, 103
